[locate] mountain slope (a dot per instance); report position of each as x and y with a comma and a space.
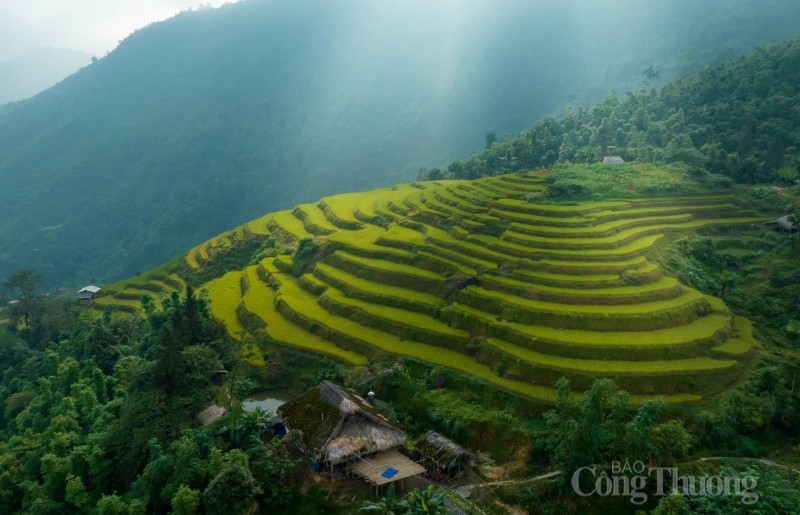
740, 119
482, 278
209, 119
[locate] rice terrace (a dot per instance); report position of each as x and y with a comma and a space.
515, 279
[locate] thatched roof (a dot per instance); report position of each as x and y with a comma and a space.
442, 450
337, 424
613, 160
786, 223
210, 414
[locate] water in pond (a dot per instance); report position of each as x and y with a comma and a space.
268, 400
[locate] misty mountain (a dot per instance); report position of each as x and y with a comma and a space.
740, 119
32, 72
199, 123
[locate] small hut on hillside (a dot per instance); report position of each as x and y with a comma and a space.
443, 459
87, 294
613, 160
786, 223
344, 434
210, 415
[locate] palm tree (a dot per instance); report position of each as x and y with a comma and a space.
427, 502
386, 506
418, 502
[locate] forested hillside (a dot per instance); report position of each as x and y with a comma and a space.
216, 116
740, 119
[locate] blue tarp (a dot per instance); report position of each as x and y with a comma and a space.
388, 473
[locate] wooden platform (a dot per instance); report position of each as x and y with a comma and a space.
374, 468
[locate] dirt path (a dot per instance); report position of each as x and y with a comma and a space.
780, 191
464, 491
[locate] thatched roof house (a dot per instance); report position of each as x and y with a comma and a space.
613, 160
336, 425
443, 459
786, 223
210, 415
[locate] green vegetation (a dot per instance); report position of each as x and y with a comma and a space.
100, 418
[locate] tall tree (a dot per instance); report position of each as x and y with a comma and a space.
231, 492
21, 286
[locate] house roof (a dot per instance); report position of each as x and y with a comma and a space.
210, 414
612, 160
786, 223
89, 289
440, 449
337, 424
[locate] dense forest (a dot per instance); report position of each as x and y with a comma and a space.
739, 119
216, 116
99, 417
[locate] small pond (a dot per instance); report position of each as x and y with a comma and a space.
268, 400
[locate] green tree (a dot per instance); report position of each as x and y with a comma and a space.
76, 493
726, 279
672, 504
793, 328
11, 477
671, 441
21, 286
787, 174
491, 138
765, 489
241, 426
185, 501
638, 432
387, 505
427, 501
231, 492
456, 170
578, 433
188, 347
111, 505
650, 74
273, 467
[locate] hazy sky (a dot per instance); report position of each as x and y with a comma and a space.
91, 26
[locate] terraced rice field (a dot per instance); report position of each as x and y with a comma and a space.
126, 296
471, 276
